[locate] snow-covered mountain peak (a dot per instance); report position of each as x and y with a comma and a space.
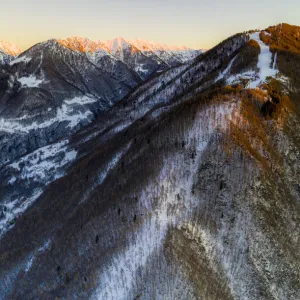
81, 44
10, 48
144, 45
172, 55
118, 45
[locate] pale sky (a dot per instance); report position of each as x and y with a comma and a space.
193, 23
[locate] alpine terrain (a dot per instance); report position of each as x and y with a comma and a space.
134, 170
8, 52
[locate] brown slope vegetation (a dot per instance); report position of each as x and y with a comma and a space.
188, 252
285, 40
246, 58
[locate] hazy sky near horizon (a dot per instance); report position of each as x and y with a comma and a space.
194, 23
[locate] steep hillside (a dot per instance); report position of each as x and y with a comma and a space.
188, 188
284, 41
48, 92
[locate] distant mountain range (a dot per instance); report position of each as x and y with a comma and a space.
143, 57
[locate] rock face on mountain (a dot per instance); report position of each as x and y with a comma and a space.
188, 188
101, 56
8, 52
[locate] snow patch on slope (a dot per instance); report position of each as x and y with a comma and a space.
66, 113
265, 67
39, 163
14, 209
41, 166
30, 82
264, 62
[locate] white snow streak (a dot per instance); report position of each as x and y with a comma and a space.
226, 71
105, 171
80, 100
13, 211
22, 59
264, 62
43, 248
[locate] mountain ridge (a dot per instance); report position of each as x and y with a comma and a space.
143, 62
157, 57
